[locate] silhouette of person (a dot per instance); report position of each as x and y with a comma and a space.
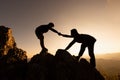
86, 40
40, 30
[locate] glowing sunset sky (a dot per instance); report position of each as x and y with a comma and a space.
99, 18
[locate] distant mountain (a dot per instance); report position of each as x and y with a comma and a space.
109, 67
110, 56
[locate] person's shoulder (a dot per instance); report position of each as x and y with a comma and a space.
42, 26
85, 35
82, 34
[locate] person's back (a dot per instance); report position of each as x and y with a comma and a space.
84, 38
42, 29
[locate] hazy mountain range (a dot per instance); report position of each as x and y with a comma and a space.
109, 64
109, 56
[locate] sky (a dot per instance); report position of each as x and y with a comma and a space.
99, 18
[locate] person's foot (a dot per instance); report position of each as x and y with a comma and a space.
45, 49
77, 58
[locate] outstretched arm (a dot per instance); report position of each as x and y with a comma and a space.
54, 30
70, 45
65, 35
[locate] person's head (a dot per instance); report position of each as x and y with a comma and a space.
74, 32
51, 24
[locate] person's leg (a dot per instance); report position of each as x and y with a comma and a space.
83, 46
91, 54
41, 37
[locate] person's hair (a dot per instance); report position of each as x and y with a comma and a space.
74, 32
51, 24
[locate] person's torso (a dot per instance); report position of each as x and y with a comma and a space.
84, 38
43, 29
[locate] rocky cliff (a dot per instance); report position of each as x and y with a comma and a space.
42, 66
9, 52
6, 40
62, 66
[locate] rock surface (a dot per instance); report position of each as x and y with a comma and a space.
62, 66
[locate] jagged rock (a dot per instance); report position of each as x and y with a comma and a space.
65, 63
62, 66
6, 40
9, 53
42, 58
67, 68
13, 60
62, 55
41, 67
84, 71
